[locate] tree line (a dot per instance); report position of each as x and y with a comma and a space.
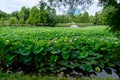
35, 16
46, 16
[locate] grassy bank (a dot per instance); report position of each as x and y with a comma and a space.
78, 24
4, 76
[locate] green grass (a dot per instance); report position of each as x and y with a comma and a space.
78, 24
46, 33
5, 76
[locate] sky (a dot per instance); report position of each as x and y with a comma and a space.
15, 5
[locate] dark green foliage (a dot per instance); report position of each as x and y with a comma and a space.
81, 18
51, 16
15, 14
46, 50
3, 14
64, 19
34, 16
86, 18
112, 18
2, 21
42, 16
96, 18
13, 21
23, 15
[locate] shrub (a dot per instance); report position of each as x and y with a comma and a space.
48, 50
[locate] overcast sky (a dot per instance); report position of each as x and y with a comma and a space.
13, 5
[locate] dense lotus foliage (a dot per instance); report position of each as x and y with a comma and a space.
34, 49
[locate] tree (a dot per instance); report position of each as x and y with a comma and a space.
2, 21
96, 18
15, 14
85, 17
43, 14
34, 17
78, 18
91, 19
112, 18
71, 4
102, 18
51, 16
21, 21
13, 21
3, 14
64, 19
24, 14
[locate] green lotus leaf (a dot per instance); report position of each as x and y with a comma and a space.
38, 58
88, 67
53, 58
74, 54
65, 55
38, 49
25, 51
9, 59
55, 51
63, 63
83, 55
27, 59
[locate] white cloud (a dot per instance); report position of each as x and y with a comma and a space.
93, 9
13, 5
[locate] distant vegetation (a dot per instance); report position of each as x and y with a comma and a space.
46, 16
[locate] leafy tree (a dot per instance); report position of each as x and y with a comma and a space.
71, 4
85, 17
80, 16
3, 14
15, 14
2, 21
34, 17
24, 14
112, 18
64, 19
43, 14
91, 19
13, 21
59, 18
51, 16
96, 18
21, 21
102, 18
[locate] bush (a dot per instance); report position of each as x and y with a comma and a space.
48, 50
13, 21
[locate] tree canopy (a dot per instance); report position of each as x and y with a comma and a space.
3, 14
72, 4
